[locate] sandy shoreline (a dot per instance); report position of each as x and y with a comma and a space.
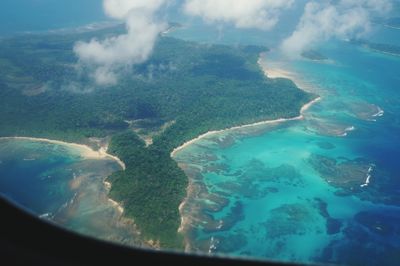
116, 205
277, 72
266, 122
305, 107
86, 151
270, 73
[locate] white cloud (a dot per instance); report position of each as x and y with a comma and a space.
108, 55
260, 14
104, 76
121, 9
321, 21
324, 20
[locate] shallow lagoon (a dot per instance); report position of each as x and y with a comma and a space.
323, 189
56, 183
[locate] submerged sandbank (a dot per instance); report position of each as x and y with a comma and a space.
88, 154
270, 73
190, 188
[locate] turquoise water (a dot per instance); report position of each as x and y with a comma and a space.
298, 191
294, 191
57, 184
29, 169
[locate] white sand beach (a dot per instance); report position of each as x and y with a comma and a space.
270, 73
85, 151
275, 121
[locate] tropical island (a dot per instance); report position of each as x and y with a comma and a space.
184, 90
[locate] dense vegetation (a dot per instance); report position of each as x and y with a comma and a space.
199, 87
151, 184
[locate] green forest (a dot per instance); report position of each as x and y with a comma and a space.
200, 87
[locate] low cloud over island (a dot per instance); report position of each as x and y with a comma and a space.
321, 21
326, 20
259, 14
108, 56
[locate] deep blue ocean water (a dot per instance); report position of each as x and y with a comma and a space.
323, 189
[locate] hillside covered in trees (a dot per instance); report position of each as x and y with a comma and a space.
193, 87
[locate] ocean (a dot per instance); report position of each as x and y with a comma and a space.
324, 189
22, 16
58, 184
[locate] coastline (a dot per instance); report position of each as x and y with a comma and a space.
116, 205
271, 74
189, 189
277, 72
266, 122
86, 151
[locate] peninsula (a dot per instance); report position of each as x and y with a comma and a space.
188, 88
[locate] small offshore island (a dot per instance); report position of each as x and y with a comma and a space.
182, 92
